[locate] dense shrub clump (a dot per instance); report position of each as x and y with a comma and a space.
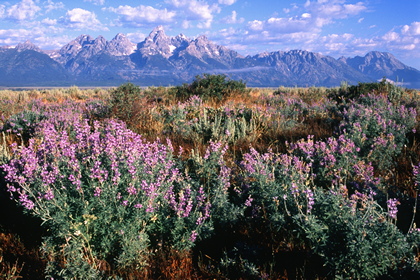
210, 87
347, 93
124, 100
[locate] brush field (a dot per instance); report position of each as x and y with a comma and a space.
210, 180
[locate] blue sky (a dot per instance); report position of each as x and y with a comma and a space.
331, 27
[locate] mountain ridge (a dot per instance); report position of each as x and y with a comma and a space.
168, 60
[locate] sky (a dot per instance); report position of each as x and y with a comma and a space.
330, 27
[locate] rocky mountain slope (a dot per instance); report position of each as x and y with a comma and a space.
26, 64
164, 60
382, 64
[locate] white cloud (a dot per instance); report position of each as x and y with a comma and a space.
288, 25
51, 42
96, 2
138, 16
302, 27
284, 25
193, 10
353, 9
37, 35
407, 38
136, 37
413, 29
227, 32
81, 19
227, 2
24, 10
14, 36
233, 19
48, 21
2, 11
186, 24
202, 10
46, 34
50, 6
391, 36
403, 42
307, 23
256, 25
205, 24
408, 47
333, 43
326, 11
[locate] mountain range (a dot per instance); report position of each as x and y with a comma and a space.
165, 60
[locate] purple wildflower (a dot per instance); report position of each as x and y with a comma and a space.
311, 200
49, 195
193, 236
97, 192
25, 201
248, 201
132, 190
294, 189
392, 205
416, 173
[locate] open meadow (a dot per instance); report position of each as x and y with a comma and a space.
210, 180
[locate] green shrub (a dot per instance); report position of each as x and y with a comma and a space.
199, 124
123, 101
354, 237
346, 93
210, 87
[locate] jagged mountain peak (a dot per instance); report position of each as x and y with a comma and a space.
262, 55
162, 60
181, 37
100, 42
201, 47
369, 56
157, 43
202, 38
100, 38
292, 56
379, 54
157, 34
82, 40
27, 45
83, 46
375, 62
119, 36
120, 45
304, 53
158, 28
